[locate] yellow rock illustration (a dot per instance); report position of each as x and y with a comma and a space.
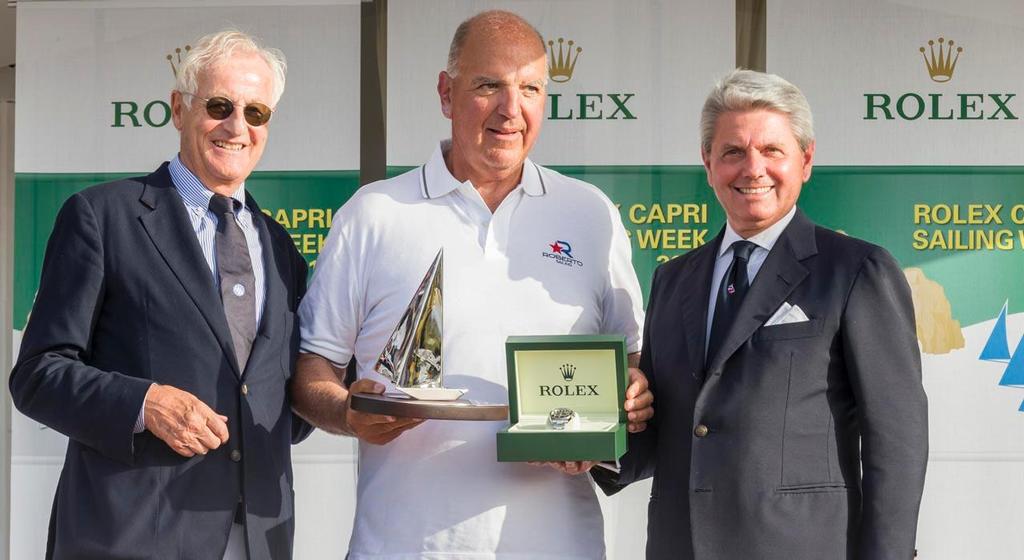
937, 331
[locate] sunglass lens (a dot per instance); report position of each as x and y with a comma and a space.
257, 114
219, 108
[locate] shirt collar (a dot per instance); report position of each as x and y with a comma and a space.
436, 181
191, 189
765, 239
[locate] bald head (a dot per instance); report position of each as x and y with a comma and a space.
495, 25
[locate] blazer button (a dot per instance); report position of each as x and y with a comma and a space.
245, 389
236, 455
701, 430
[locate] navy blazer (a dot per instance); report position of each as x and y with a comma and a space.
127, 299
799, 441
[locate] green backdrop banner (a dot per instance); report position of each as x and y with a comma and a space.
958, 225
302, 201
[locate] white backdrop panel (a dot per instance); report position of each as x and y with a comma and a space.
666, 53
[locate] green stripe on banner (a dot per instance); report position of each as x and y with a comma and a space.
873, 203
302, 201
668, 210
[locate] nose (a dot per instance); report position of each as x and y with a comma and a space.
754, 164
235, 123
509, 106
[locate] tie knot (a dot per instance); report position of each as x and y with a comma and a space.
741, 250
220, 204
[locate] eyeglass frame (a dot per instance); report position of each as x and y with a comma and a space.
234, 106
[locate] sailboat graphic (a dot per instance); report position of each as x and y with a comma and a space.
997, 349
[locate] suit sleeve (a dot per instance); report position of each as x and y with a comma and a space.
300, 428
640, 458
884, 365
52, 381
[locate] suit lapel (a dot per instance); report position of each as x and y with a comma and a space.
274, 286
780, 274
169, 228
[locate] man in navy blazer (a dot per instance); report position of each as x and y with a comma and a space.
179, 426
792, 423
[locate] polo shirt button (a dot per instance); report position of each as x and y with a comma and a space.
236, 455
238, 290
701, 431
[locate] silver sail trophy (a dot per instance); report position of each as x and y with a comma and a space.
411, 360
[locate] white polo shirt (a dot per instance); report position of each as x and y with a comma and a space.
553, 258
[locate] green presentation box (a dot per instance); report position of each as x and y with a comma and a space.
585, 373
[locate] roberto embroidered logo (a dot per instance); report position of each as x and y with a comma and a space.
561, 252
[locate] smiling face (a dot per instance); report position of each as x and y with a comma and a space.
223, 153
495, 103
756, 168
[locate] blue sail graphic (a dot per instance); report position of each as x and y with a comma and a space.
997, 348
1014, 374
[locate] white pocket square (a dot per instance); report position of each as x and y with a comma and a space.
786, 314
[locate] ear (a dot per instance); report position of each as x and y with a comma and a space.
808, 161
444, 91
706, 158
178, 109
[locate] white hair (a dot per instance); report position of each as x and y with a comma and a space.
220, 46
746, 90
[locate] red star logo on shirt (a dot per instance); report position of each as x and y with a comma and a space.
556, 248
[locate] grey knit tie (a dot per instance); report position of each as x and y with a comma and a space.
237, 282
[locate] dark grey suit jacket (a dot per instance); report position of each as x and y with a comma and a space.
125, 299
817, 432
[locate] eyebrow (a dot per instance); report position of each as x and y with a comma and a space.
489, 80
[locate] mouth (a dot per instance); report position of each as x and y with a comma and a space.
229, 146
754, 191
504, 134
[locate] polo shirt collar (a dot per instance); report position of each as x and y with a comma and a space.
436, 181
766, 239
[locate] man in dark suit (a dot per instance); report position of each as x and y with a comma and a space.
792, 423
163, 337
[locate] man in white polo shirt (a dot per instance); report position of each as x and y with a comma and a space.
527, 251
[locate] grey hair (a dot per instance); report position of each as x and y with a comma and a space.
747, 90
219, 46
494, 21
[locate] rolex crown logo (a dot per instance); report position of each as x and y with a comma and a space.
568, 371
942, 65
175, 59
562, 59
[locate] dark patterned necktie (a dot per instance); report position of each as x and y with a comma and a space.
730, 295
237, 282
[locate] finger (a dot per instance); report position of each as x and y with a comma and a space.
387, 434
183, 451
640, 414
218, 426
366, 386
636, 427
209, 440
637, 383
356, 418
641, 401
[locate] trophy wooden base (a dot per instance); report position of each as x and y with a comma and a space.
405, 407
